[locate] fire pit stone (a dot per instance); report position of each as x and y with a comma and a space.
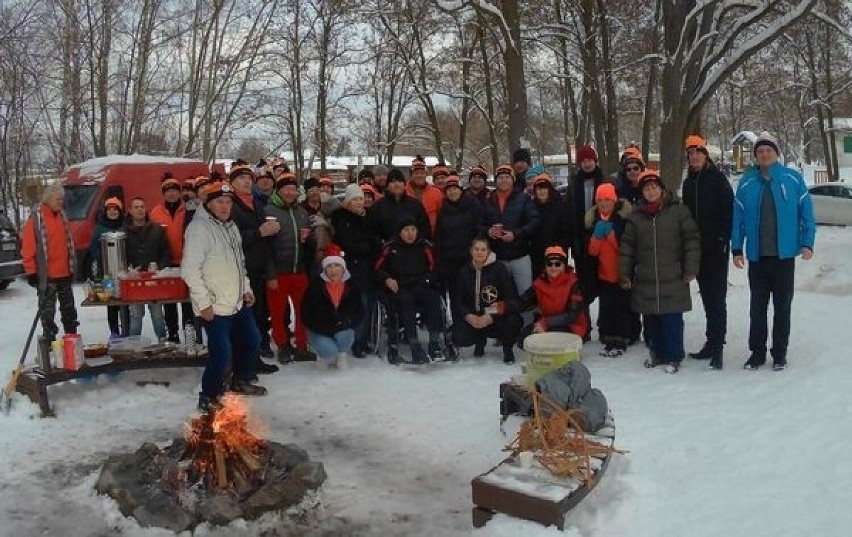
218, 472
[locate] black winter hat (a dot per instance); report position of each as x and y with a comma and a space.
310, 183
396, 175
522, 154
405, 221
366, 174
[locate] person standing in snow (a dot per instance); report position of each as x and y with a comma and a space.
659, 255
709, 197
606, 222
146, 244
429, 196
109, 220
773, 216
214, 268
48, 257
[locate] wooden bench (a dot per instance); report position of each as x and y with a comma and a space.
33, 382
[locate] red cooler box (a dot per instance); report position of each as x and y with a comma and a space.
151, 289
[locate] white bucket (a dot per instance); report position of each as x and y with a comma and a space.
549, 351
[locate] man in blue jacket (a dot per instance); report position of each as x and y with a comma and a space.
774, 216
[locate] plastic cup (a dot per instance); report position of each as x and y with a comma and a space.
304, 233
499, 229
271, 219
525, 459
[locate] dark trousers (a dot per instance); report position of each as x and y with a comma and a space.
428, 301
232, 341
770, 276
362, 329
57, 289
664, 336
713, 285
505, 329
615, 319
260, 308
170, 312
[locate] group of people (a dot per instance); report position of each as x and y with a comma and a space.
251, 244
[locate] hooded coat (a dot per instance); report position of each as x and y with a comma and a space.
352, 232
410, 265
256, 248
288, 251
656, 254
386, 214
710, 198
555, 228
479, 288
458, 224
519, 216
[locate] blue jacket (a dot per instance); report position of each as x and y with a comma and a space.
795, 214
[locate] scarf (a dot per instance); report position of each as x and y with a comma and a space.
651, 209
502, 198
335, 292
248, 199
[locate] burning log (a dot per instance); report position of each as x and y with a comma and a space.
249, 460
221, 471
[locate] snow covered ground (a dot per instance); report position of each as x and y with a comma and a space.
730, 453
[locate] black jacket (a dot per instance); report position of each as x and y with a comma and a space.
479, 289
409, 264
256, 249
385, 215
360, 244
458, 224
555, 229
518, 216
146, 244
319, 313
709, 197
577, 207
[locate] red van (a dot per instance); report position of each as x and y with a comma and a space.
90, 183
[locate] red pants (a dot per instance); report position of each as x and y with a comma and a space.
290, 286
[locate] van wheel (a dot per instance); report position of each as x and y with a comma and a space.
4, 284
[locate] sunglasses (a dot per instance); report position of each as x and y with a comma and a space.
555, 263
633, 168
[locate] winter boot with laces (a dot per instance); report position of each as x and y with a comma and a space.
244, 387
208, 405
716, 360
779, 363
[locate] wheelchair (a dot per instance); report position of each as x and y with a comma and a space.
385, 332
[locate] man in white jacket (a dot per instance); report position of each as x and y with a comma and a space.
214, 269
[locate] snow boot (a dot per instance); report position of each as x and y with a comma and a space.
716, 360
479, 349
263, 368
208, 405
779, 363
672, 368
244, 387
436, 353
418, 355
285, 353
304, 355
755, 361
706, 353
393, 355
508, 355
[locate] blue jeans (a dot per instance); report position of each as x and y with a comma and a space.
664, 336
225, 335
158, 319
327, 348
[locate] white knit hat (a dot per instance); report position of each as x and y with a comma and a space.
766, 139
352, 191
333, 260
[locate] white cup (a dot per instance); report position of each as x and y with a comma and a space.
525, 459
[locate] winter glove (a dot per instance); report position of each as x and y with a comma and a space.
602, 229
32, 280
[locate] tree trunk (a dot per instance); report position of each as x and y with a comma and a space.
516, 87
489, 91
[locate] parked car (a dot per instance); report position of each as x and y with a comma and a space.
11, 264
832, 203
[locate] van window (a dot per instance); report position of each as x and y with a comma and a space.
78, 200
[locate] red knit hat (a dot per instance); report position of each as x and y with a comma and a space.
504, 169
333, 256
587, 152
169, 182
440, 169
650, 176
114, 202
453, 179
542, 180
478, 170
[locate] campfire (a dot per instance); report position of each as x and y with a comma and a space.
222, 469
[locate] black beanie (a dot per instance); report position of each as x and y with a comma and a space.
395, 175
522, 154
405, 221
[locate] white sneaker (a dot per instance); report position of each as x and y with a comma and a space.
324, 365
342, 361
672, 368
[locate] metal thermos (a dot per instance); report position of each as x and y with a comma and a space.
113, 253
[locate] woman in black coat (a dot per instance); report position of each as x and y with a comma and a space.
555, 228
458, 224
361, 247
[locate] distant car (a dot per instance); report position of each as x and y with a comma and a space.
11, 264
832, 203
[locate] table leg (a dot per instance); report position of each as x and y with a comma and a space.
125, 321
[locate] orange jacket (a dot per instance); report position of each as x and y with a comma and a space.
431, 200
173, 226
606, 250
57, 242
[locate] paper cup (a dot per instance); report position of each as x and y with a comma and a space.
499, 229
525, 459
304, 233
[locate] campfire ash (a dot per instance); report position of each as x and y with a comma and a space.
218, 472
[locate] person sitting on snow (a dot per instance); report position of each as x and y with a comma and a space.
558, 297
406, 269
